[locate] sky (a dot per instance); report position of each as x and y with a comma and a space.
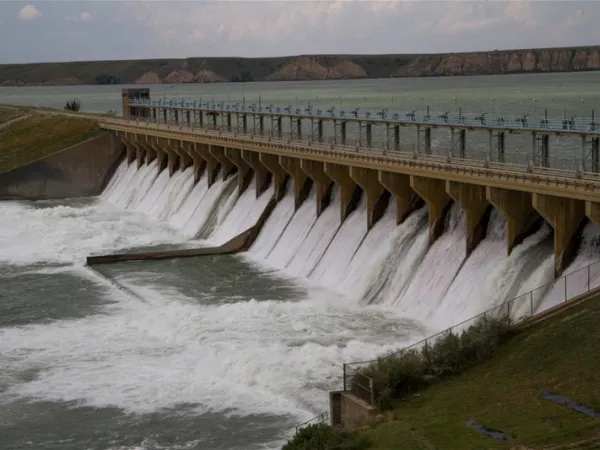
46, 30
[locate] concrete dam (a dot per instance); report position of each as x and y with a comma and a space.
391, 243
417, 235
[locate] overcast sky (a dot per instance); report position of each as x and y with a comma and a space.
44, 30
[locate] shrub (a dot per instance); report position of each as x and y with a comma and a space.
415, 369
324, 437
73, 105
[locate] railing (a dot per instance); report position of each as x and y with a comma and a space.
322, 419
564, 168
517, 309
525, 122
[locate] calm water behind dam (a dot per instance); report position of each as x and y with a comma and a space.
233, 352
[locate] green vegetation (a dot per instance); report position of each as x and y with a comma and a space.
242, 77
40, 135
73, 105
559, 354
106, 79
323, 437
450, 354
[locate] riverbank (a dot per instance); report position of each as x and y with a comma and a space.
300, 68
559, 354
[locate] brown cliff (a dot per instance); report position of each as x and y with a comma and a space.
304, 67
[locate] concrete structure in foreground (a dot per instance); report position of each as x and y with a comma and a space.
523, 194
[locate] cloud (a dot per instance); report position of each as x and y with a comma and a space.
81, 17
29, 12
180, 29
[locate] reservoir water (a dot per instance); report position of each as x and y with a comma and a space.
232, 352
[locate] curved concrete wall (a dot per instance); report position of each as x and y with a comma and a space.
78, 171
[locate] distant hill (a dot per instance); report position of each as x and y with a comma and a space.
305, 67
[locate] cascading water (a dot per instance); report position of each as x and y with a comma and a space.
230, 338
390, 266
424, 294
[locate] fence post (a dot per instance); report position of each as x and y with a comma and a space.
589, 277
531, 304
345, 377
508, 311
566, 295
372, 391
484, 321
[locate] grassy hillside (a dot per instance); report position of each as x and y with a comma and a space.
560, 354
40, 135
304, 67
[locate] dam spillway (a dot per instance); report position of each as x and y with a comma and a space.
388, 265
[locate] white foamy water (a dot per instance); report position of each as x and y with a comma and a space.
580, 276
166, 350
425, 292
243, 215
67, 234
317, 240
275, 226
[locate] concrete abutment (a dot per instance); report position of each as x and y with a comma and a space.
377, 196
407, 201
521, 219
433, 192
316, 171
566, 217
472, 200
302, 182
350, 192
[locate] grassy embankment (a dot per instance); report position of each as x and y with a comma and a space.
560, 354
39, 135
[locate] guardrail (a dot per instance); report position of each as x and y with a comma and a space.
524, 122
322, 418
517, 309
566, 168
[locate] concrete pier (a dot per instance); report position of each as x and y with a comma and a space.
302, 182
472, 200
350, 192
377, 195
407, 200
316, 171
565, 216
244, 172
433, 192
516, 206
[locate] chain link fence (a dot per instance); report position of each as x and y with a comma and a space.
515, 310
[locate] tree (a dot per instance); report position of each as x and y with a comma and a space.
106, 79
73, 105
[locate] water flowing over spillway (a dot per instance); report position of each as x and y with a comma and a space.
391, 266
261, 334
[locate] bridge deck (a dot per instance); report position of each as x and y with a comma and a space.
583, 126
561, 182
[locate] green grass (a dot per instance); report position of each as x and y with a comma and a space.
560, 354
41, 135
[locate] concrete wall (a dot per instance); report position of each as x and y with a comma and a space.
78, 171
346, 410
